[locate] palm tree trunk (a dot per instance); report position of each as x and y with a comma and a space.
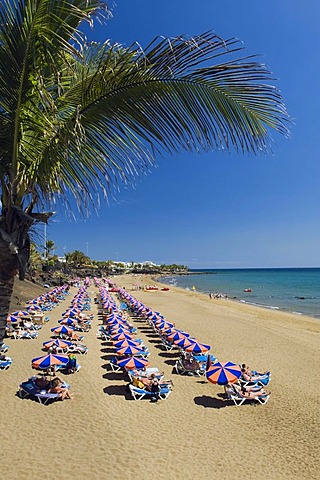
9, 266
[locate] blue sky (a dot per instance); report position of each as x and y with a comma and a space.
221, 210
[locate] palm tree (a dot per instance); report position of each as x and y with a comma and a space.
77, 259
35, 261
49, 247
77, 118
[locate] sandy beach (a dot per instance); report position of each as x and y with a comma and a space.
104, 434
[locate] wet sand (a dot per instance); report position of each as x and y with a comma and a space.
103, 434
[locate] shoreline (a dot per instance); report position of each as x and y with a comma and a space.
237, 299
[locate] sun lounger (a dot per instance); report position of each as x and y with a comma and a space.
82, 349
140, 393
167, 345
4, 348
239, 398
262, 380
29, 389
139, 373
67, 369
204, 358
25, 335
114, 366
6, 363
184, 368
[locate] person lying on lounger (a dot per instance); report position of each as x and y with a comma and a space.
249, 376
248, 392
42, 382
253, 372
56, 387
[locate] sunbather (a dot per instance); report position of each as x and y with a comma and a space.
42, 382
56, 387
247, 392
249, 376
190, 363
252, 372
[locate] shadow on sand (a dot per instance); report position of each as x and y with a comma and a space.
211, 402
119, 390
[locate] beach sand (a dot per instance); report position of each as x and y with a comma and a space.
103, 434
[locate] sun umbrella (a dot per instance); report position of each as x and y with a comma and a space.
129, 351
132, 363
20, 313
121, 336
118, 329
183, 342
13, 319
126, 343
33, 308
167, 331
62, 329
196, 347
177, 336
68, 321
48, 361
223, 373
57, 343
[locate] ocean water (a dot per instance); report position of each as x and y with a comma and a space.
296, 290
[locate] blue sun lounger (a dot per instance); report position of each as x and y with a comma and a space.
29, 389
5, 364
140, 393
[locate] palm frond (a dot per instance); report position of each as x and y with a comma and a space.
105, 115
122, 106
35, 38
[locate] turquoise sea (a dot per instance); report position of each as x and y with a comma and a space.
296, 290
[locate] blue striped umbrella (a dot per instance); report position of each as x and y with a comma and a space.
20, 313
62, 329
223, 373
196, 347
133, 363
68, 321
129, 350
48, 361
57, 343
13, 319
121, 336
126, 343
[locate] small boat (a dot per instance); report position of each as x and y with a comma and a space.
247, 290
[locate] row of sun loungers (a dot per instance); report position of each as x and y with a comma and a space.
41, 391
114, 322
